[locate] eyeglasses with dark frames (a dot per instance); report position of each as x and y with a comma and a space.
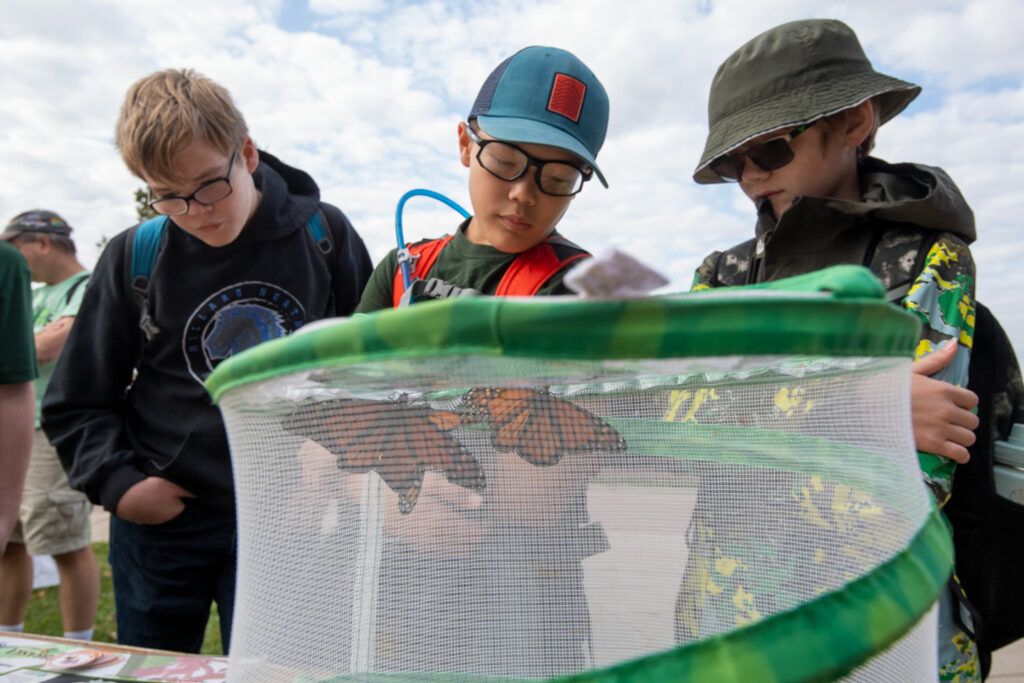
769, 155
208, 194
508, 162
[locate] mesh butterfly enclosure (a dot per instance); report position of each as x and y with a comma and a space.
718, 486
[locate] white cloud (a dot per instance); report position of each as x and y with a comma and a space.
961, 43
367, 101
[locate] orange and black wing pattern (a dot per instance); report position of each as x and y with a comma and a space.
540, 427
400, 441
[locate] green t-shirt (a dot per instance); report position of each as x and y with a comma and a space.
17, 346
461, 263
49, 303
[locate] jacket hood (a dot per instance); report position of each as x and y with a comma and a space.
289, 198
904, 193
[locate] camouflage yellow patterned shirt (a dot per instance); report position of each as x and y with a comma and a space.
912, 229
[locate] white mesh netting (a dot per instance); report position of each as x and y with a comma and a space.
501, 516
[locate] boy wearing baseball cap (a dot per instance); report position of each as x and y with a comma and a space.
530, 142
793, 115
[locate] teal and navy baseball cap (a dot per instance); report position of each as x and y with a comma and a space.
545, 96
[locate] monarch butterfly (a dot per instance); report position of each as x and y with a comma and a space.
540, 427
398, 440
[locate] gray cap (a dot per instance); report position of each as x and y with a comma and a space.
37, 221
790, 75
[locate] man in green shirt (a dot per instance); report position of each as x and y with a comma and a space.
17, 370
53, 518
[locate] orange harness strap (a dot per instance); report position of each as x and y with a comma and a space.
532, 269
524, 277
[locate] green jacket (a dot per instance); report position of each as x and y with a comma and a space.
911, 229
905, 207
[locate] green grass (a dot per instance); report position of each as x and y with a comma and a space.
43, 613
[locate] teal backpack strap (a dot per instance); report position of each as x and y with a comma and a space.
321, 232
143, 244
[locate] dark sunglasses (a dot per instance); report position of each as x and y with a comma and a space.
770, 155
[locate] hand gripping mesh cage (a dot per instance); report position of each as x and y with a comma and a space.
716, 486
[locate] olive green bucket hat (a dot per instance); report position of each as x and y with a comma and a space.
791, 75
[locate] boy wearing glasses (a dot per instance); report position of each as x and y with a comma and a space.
530, 143
793, 116
510, 598
126, 408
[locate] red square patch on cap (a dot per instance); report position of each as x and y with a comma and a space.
567, 97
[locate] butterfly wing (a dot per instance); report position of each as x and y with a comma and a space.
541, 427
348, 428
428, 433
579, 429
448, 421
398, 440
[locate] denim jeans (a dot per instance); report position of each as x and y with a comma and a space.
166, 576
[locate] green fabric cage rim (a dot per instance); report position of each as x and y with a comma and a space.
822, 640
837, 312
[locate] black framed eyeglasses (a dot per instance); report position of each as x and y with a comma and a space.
506, 161
208, 194
770, 155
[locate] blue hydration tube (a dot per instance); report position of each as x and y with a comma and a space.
404, 257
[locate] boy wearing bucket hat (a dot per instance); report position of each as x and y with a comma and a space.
530, 143
793, 115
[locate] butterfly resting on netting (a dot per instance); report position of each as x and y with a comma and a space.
398, 440
540, 427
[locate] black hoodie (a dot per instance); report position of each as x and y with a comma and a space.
208, 303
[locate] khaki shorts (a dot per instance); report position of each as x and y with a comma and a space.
53, 518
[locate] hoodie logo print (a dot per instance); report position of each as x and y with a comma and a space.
237, 318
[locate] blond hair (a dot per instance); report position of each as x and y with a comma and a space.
166, 112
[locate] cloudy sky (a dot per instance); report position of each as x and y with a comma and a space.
366, 95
